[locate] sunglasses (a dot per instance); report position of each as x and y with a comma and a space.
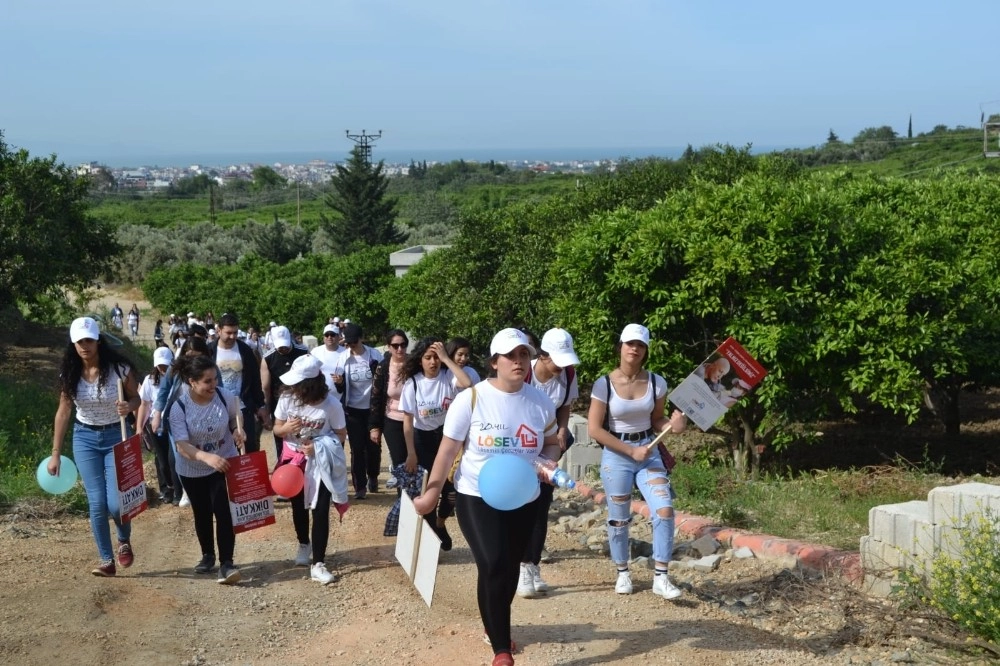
329, 335
398, 345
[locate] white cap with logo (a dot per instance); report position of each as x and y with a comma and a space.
558, 344
635, 332
306, 366
508, 340
163, 356
84, 328
281, 336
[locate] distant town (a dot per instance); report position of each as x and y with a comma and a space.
314, 172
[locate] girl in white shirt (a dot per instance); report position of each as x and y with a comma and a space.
428, 391
499, 416
626, 414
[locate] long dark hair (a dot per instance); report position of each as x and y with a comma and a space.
397, 333
310, 391
71, 368
413, 366
193, 367
455, 344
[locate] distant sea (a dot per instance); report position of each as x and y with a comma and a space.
391, 156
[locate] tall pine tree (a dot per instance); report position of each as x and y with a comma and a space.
366, 215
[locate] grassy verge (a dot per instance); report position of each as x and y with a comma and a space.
824, 507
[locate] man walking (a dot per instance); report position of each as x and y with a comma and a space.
241, 375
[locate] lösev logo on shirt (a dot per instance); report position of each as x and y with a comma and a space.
524, 437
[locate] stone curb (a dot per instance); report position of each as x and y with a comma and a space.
816, 557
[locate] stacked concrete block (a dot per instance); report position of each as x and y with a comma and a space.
908, 536
584, 454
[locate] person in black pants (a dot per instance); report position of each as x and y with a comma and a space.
385, 419
352, 377
276, 362
502, 409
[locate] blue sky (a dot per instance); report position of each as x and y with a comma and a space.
220, 76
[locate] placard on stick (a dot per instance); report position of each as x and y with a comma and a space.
417, 549
251, 501
131, 480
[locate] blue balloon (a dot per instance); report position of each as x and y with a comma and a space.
57, 485
507, 482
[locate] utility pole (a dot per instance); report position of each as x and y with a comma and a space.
365, 142
298, 205
211, 201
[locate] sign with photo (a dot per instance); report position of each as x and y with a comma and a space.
251, 501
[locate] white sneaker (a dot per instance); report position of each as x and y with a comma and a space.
392, 482
185, 500
663, 587
303, 555
541, 587
318, 573
624, 584
526, 583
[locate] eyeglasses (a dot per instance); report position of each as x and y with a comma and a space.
398, 345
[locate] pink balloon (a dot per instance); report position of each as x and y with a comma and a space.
287, 481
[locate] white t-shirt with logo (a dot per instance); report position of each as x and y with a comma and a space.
231, 366
321, 419
556, 387
329, 360
427, 399
499, 424
630, 415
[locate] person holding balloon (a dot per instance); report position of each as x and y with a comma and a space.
90, 372
306, 413
500, 425
626, 415
205, 426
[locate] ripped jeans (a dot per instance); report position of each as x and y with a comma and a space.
618, 474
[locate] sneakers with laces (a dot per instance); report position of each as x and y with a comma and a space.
526, 583
503, 659
541, 587
105, 569
318, 573
206, 564
125, 555
392, 483
228, 574
624, 584
303, 555
185, 500
663, 587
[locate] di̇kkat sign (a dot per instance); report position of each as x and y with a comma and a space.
721, 381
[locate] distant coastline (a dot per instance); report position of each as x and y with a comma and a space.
389, 155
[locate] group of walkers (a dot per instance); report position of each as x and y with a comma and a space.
209, 403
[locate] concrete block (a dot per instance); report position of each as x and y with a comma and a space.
578, 426
706, 545
926, 539
310, 341
894, 523
878, 586
707, 564
743, 553
579, 458
953, 505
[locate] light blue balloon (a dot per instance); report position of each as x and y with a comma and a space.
507, 482
57, 485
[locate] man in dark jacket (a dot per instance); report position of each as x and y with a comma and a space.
241, 375
275, 363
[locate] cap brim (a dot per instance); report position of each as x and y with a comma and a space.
565, 360
531, 349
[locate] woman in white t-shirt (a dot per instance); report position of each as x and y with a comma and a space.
626, 415
499, 416
306, 411
428, 390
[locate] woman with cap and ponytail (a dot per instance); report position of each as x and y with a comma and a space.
626, 414
89, 375
501, 408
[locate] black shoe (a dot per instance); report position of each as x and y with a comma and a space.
373, 485
206, 565
166, 498
442, 533
228, 574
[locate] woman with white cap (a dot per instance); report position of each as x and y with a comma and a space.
503, 408
306, 412
626, 414
165, 467
88, 378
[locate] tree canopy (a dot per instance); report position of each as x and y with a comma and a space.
366, 215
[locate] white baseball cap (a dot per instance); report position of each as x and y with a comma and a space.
190, 314
336, 320
330, 328
281, 336
163, 356
508, 340
272, 324
306, 366
84, 328
558, 344
634, 332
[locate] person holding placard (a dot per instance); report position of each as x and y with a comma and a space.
88, 378
205, 425
428, 390
306, 411
500, 420
626, 416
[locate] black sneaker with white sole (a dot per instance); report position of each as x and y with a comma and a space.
206, 565
228, 574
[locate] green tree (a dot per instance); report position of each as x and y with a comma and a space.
47, 238
832, 137
366, 215
280, 242
266, 178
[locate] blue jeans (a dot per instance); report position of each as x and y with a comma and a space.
618, 474
94, 457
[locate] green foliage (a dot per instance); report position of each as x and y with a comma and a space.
366, 214
301, 294
266, 178
280, 242
192, 185
47, 240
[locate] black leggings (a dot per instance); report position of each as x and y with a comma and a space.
321, 521
427, 443
366, 458
497, 540
392, 430
209, 498
166, 468
533, 551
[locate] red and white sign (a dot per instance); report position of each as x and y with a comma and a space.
727, 375
251, 501
131, 481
